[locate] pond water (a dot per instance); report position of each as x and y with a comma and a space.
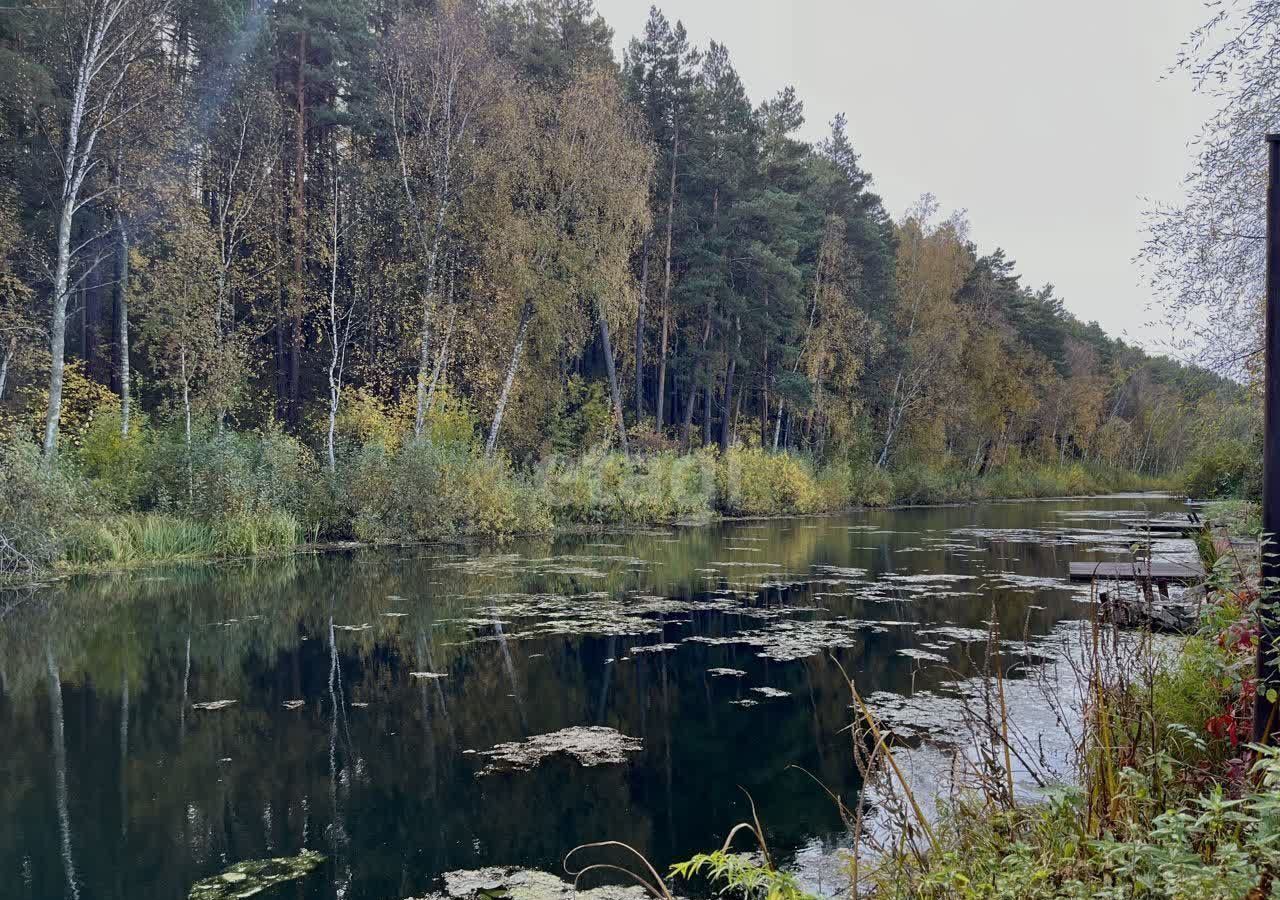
162, 725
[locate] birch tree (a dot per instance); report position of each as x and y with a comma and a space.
438, 82
932, 262
1206, 255
179, 296
577, 212
243, 158
342, 307
97, 45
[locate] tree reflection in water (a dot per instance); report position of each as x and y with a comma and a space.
374, 768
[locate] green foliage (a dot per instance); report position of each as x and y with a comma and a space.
923, 485
149, 537
427, 491
364, 418
582, 418
39, 503
741, 875
870, 486
272, 531
1228, 468
755, 482
159, 537
115, 464
1215, 846
450, 420
1241, 517
232, 474
610, 488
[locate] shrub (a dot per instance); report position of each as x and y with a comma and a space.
611, 488
115, 464
871, 486
363, 418
1225, 469
39, 503
582, 418
916, 484
755, 482
229, 474
430, 491
643, 438
83, 399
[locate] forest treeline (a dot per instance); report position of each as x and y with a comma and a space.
347, 224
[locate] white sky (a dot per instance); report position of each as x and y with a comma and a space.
1048, 122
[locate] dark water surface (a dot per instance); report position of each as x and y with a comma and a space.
113, 784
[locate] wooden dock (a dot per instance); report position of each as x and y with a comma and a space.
1140, 570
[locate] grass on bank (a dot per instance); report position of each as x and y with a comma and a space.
151, 497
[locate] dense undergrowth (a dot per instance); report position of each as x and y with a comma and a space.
153, 495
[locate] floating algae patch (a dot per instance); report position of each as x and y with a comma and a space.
842, 572
928, 578
1026, 582
509, 883
590, 745
498, 564
597, 613
655, 648
956, 633
743, 564
922, 655
771, 692
787, 639
925, 715
214, 704
253, 876
724, 672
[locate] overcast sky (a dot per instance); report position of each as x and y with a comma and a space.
1048, 122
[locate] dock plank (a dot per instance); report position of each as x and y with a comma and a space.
1131, 571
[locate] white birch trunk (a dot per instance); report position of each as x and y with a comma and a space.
121, 40
9, 352
122, 323
525, 315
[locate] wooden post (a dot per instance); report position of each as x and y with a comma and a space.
1268, 684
